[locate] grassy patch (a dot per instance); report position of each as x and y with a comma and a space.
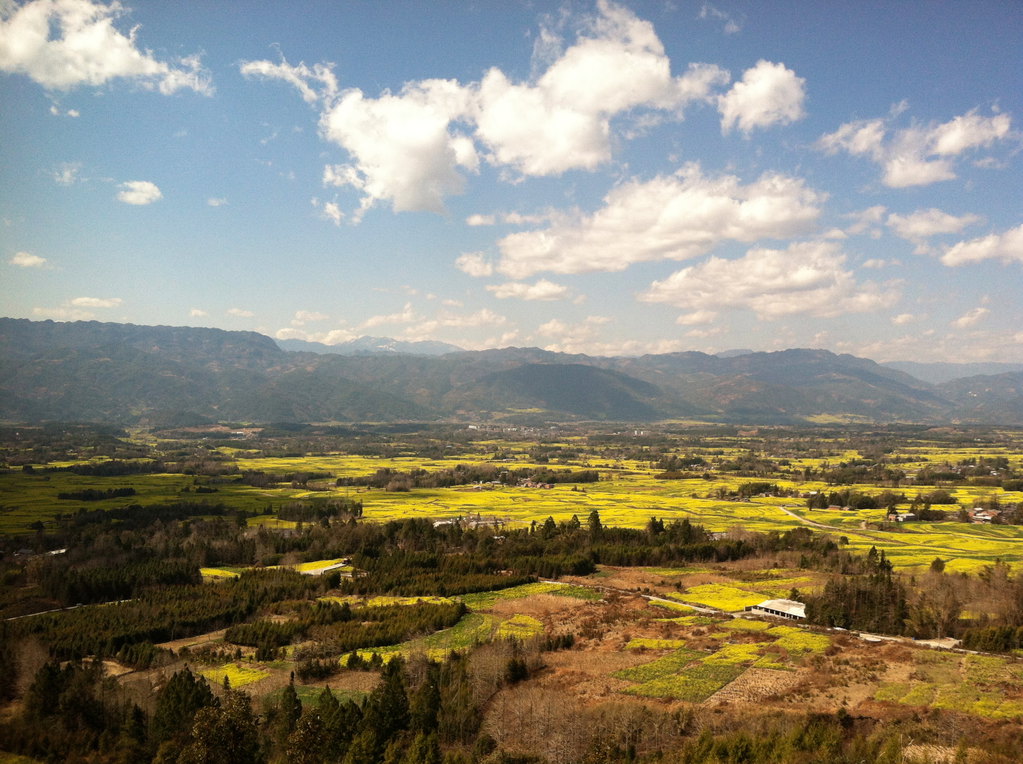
694, 685
520, 627
665, 666
642, 643
486, 600
743, 624
720, 596
237, 674
799, 641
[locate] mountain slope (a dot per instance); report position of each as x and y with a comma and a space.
121, 373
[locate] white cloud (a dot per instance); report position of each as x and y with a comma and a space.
732, 24
479, 220
96, 302
875, 263
403, 150
768, 94
218, 201
917, 155
64, 44
426, 329
240, 313
27, 260
405, 316
705, 333
64, 314
697, 317
865, 220
1007, 247
475, 264
562, 121
541, 290
412, 149
315, 83
303, 317
806, 278
332, 337
903, 318
667, 218
138, 192
922, 224
330, 211
78, 308
970, 318
197, 313
572, 338
67, 174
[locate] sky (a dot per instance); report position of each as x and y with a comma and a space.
587, 177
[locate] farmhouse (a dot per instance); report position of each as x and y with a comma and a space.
780, 609
980, 515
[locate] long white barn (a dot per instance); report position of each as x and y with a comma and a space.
780, 609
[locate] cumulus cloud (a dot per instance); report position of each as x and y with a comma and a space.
732, 25
567, 337
479, 220
77, 308
67, 174
405, 316
903, 318
64, 44
139, 192
217, 201
1007, 247
330, 211
917, 155
403, 148
562, 120
413, 148
768, 94
426, 328
697, 317
28, 260
475, 264
303, 317
197, 313
806, 278
922, 224
63, 313
96, 302
331, 337
240, 313
667, 218
970, 318
541, 290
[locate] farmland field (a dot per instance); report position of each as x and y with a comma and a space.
627, 495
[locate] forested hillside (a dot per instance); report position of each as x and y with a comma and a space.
121, 373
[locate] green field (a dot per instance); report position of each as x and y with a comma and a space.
627, 495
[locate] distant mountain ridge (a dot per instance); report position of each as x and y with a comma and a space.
939, 373
122, 373
370, 346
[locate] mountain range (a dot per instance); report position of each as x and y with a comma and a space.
122, 373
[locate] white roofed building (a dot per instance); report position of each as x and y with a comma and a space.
780, 609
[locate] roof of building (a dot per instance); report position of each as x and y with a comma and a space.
790, 607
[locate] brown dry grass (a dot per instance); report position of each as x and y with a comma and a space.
202, 639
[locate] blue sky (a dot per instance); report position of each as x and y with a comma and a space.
582, 176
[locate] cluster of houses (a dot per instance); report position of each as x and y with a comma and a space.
980, 515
